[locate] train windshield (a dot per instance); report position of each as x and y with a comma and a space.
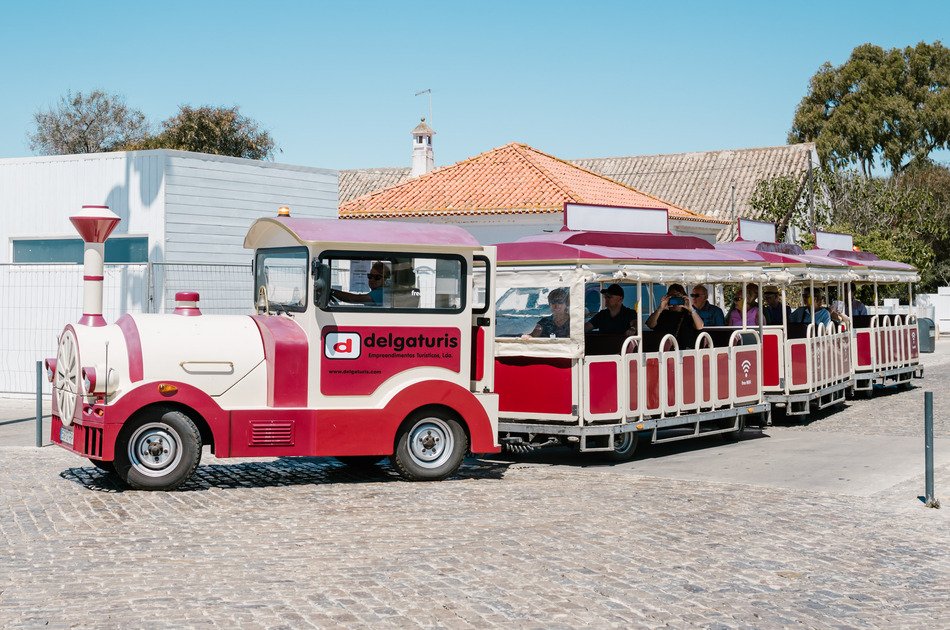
282, 274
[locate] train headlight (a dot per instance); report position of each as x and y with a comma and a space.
96, 381
50, 369
89, 380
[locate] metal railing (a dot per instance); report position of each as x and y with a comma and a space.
39, 299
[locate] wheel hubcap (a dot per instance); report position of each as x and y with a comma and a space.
431, 443
154, 449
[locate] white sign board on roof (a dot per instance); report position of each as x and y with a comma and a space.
831, 240
758, 231
594, 218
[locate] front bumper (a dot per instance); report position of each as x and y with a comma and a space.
89, 435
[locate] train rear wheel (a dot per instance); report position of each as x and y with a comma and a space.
157, 450
430, 446
625, 445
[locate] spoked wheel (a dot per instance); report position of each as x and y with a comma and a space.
67, 383
430, 446
360, 461
625, 445
158, 450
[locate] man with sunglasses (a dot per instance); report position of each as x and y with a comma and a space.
378, 281
711, 314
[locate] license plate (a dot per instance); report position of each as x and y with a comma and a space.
66, 435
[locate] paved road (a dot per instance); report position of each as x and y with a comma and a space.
812, 525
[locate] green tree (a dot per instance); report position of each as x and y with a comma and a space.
904, 217
86, 123
891, 106
215, 130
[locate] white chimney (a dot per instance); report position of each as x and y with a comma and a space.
422, 160
94, 224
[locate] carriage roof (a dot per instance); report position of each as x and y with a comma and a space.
330, 233
577, 247
864, 259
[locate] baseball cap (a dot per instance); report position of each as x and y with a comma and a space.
614, 289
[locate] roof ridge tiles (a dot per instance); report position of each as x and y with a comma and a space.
684, 153
514, 178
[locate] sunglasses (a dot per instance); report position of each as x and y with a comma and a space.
696, 295
374, 276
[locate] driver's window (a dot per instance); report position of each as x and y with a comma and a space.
396, 282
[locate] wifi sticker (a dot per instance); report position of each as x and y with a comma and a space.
746, 367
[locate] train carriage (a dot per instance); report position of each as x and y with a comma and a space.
886, 346
806, 365
601, 392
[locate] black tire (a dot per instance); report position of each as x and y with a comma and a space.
108, 467
735, 436
158, 449
360, 461
430, 446
625, 446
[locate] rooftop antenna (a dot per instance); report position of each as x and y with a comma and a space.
429, 92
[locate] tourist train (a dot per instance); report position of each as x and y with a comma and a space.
376, 339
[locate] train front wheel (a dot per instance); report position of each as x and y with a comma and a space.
157, 450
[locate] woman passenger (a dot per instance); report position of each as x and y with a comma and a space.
558, 323
751, 309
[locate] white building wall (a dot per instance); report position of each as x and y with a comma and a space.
37, 195
193, 209
211, 201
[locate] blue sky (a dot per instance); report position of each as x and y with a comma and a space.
334, 82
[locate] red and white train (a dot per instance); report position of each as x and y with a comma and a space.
383, 339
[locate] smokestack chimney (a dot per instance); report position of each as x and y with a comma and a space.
94, 224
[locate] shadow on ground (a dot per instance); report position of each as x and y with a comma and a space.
780, 418
564, 455
285, 471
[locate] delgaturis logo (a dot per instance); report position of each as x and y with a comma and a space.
341, 345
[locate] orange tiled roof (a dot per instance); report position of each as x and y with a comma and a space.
513, 179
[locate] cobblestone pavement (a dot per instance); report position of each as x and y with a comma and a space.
307, 543
893, 411
299, 543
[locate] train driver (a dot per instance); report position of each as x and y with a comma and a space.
378, 281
